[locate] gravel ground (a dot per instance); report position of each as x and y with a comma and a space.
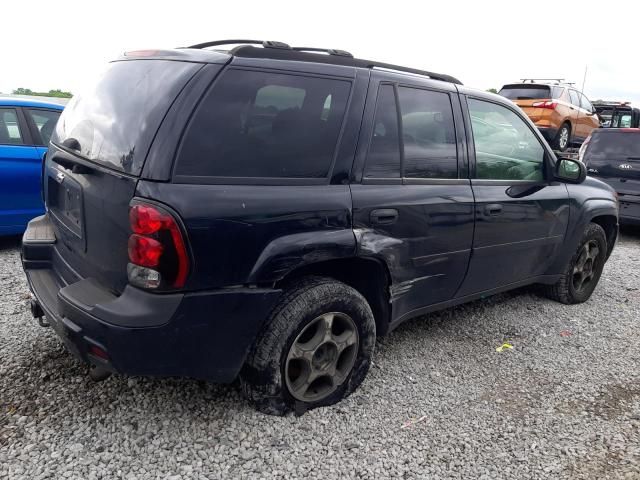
440, 402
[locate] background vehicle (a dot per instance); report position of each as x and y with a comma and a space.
563, 114
617, 114
613, 155
25, 129
271, 211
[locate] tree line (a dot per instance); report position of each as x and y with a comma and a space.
51, 93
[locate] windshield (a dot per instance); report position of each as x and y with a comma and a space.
614, 145
114, 121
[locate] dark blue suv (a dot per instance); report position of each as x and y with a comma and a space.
266, 212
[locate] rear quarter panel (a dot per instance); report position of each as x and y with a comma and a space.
256, 234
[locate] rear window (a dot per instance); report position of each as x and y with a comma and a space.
114, 121
266, 125
611, 145
522, 92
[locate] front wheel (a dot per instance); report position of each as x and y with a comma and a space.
584, 270
315, 350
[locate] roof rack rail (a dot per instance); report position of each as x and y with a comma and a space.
330, 51
303, 56
282, 51
264, 43
557, 80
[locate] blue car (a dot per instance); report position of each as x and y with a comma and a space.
25, 129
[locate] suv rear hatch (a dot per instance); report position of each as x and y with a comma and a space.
96, 156
526, 95
613, 155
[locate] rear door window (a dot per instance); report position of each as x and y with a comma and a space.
428, 134
10, 133
575, 100
265, 125
45, 122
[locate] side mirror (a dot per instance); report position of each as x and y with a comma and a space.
570, 171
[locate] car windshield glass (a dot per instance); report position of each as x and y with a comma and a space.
522, 92
615, 145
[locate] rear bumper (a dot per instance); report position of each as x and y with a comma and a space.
549, 133
201, 335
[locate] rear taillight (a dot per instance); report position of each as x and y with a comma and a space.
157, 250
550, 104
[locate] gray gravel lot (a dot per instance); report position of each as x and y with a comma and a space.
563, 403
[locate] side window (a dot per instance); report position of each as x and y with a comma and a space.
45, 121
556, 92
585, 103
506, 148
9, 127
573, 95
383, 158
265, 125
621, 120
428, 134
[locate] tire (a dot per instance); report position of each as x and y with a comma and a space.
563, 138
320, 329
584, 270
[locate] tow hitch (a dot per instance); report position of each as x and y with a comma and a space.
38, 313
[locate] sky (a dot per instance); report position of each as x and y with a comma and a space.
63, 44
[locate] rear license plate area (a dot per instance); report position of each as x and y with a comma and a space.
65, 203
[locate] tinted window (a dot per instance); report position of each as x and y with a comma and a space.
114, 121
506, 148
9, 127
613, 145
428, 134
524, 92
383, 159
573, 95
258, 124
45, 121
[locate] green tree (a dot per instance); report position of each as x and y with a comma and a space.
492, 90
51, 93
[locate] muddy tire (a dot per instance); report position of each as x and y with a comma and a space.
315, 349
584, 270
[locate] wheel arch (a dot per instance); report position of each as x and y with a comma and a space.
369, 276
609, 223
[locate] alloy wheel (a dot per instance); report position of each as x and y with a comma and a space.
564, 138
584, 268
321, 357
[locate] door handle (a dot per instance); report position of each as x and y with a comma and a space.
493, 209
384, 216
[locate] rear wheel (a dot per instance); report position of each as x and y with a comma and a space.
314, 351
563, 138
584, 270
